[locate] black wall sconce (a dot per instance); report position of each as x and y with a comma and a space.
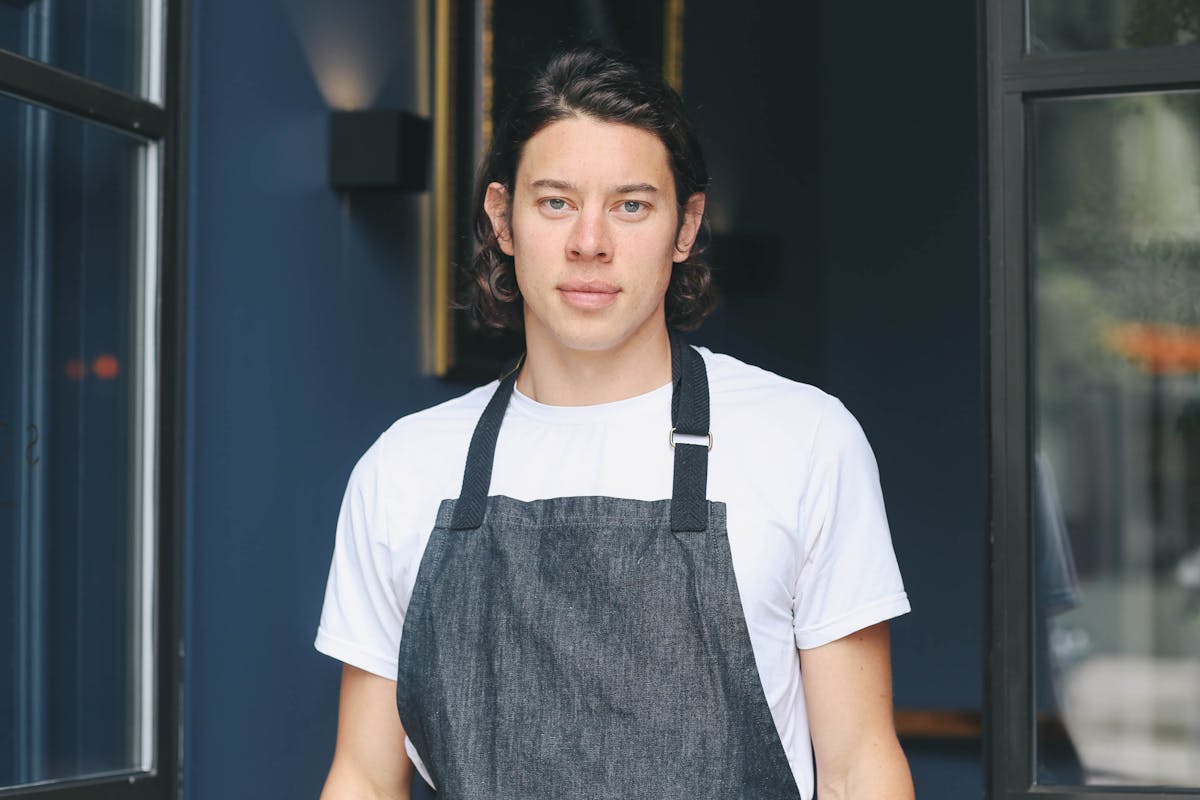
379, 150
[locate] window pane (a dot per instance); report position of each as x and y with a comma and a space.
74, 678
1115, 242
99, 39
1072, 25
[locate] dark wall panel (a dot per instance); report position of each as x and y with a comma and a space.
304, 347
749, 75
898, 155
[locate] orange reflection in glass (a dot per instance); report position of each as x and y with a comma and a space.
1158, 349
106, 367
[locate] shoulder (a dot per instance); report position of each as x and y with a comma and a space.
762, 397
450, 415
733, 380
807, 430
437, 426
413, 447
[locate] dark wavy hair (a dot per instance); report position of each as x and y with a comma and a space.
603, 84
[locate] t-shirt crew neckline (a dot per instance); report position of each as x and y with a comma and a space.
639, 403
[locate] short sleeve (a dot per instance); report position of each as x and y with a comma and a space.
361, 620
849, 578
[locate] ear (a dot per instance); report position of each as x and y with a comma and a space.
498, 206
693, 216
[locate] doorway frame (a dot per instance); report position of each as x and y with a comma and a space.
1014, 77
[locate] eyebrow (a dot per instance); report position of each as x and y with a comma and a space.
566, 186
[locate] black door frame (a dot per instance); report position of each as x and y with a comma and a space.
1013, 77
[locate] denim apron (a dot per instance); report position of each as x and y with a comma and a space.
587, 647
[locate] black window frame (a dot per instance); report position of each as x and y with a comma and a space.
34, 82
1014, 77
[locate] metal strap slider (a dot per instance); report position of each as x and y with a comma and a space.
689, 438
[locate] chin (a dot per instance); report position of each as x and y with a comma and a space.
585, 336
589, 333
590, 342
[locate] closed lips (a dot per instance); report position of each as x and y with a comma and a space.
589, 287
589, 294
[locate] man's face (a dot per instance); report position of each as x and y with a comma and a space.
592, 228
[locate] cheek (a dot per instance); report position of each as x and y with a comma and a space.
655, 251
650, 285
536, 238
665, 279
533, 267
523, 278
527, 254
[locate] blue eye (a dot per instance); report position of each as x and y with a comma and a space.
632, 206
556, 203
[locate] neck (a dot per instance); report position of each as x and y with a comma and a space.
559, 376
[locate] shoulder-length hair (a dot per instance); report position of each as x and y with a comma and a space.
602, 84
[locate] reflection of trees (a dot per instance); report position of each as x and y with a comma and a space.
1116, 244
1163, 22
1064, 25
1086, 287
1117, 236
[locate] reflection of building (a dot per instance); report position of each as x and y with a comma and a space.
1135, 626
1057, 592
1188, 426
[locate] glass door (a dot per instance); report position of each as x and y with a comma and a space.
1094, 166
1115, 391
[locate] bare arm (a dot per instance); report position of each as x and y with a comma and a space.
369, 761
848, 689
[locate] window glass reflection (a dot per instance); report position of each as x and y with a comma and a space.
1075, 25
97, 39
1115, 241
72, 679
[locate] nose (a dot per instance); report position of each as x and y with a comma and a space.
590, 237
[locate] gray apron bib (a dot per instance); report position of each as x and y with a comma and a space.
587, 647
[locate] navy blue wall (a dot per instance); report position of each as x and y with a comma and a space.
898, 155
847, 134
749, 84
304, 332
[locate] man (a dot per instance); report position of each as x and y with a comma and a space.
630, 568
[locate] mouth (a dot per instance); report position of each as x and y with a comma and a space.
589, 294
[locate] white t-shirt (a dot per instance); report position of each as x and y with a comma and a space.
807, 530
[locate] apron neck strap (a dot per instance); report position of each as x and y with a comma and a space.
477, 477
689, 417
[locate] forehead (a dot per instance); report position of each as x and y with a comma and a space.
586, 151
